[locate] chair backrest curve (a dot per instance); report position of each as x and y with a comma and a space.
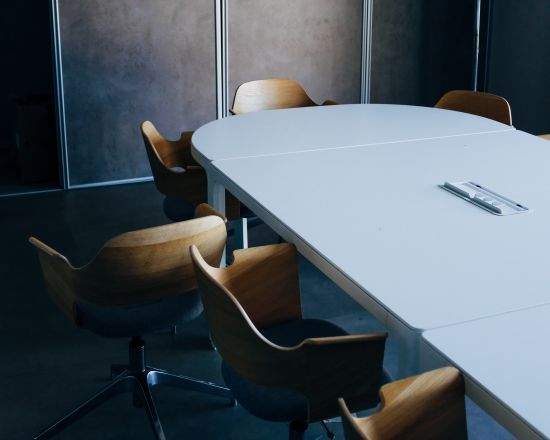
270, 94
136, 266
482, 104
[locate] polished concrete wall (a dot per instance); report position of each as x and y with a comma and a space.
518, 61
131, 60
421, 49
316, 42
126, 61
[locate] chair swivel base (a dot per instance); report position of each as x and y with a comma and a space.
137, 379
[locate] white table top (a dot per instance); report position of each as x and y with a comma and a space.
337, 126
377, 215
507, 357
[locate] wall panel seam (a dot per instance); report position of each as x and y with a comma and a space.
366, 51
220, 11
63, 156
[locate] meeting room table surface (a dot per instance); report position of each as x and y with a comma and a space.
357, 189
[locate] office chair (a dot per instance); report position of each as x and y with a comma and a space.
178, 176
139, 282
271, 94
429, 406
482, 104
279, 366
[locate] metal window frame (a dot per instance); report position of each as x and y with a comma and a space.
366, 51
63, 156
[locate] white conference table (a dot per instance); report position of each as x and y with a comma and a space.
371, 216
274, 132
505, 364
326, 127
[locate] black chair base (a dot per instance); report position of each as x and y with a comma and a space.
137, 379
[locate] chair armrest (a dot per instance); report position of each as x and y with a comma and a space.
265, 281
183, 148
432, 402
41, 246
58, 275
343, 366
425, 390
330, 102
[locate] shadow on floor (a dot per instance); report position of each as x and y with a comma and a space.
49, 366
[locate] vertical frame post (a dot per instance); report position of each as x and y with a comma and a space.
221, 58
366, 48
63, 159
477, 29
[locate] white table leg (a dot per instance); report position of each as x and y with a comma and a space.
216, 199
241, 232
216, 194
408, 343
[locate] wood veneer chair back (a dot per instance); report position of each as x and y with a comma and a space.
134, 267
429, 406
259, 289
482, 104
175, 171
271, 94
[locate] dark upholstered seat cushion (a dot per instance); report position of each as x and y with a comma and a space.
139, 319
278, 404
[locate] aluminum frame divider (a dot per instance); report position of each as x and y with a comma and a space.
222, 84
366, 51
477, 29
63, 157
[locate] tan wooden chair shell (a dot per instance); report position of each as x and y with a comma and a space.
135, 267
429, 406
482, 104
150, 271
176, 173
271, 94
261, 288
546, 137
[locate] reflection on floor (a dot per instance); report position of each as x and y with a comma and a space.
48, 366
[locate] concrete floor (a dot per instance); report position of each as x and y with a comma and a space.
49, 366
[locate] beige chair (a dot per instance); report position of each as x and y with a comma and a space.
178, 176
429, 406
271, 94
546, 137
139, 282
280, 366
482, 104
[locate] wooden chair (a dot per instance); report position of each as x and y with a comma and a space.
425, 407
178, 176
546, 137
139, 282
482, 104
271, 94
279, 366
